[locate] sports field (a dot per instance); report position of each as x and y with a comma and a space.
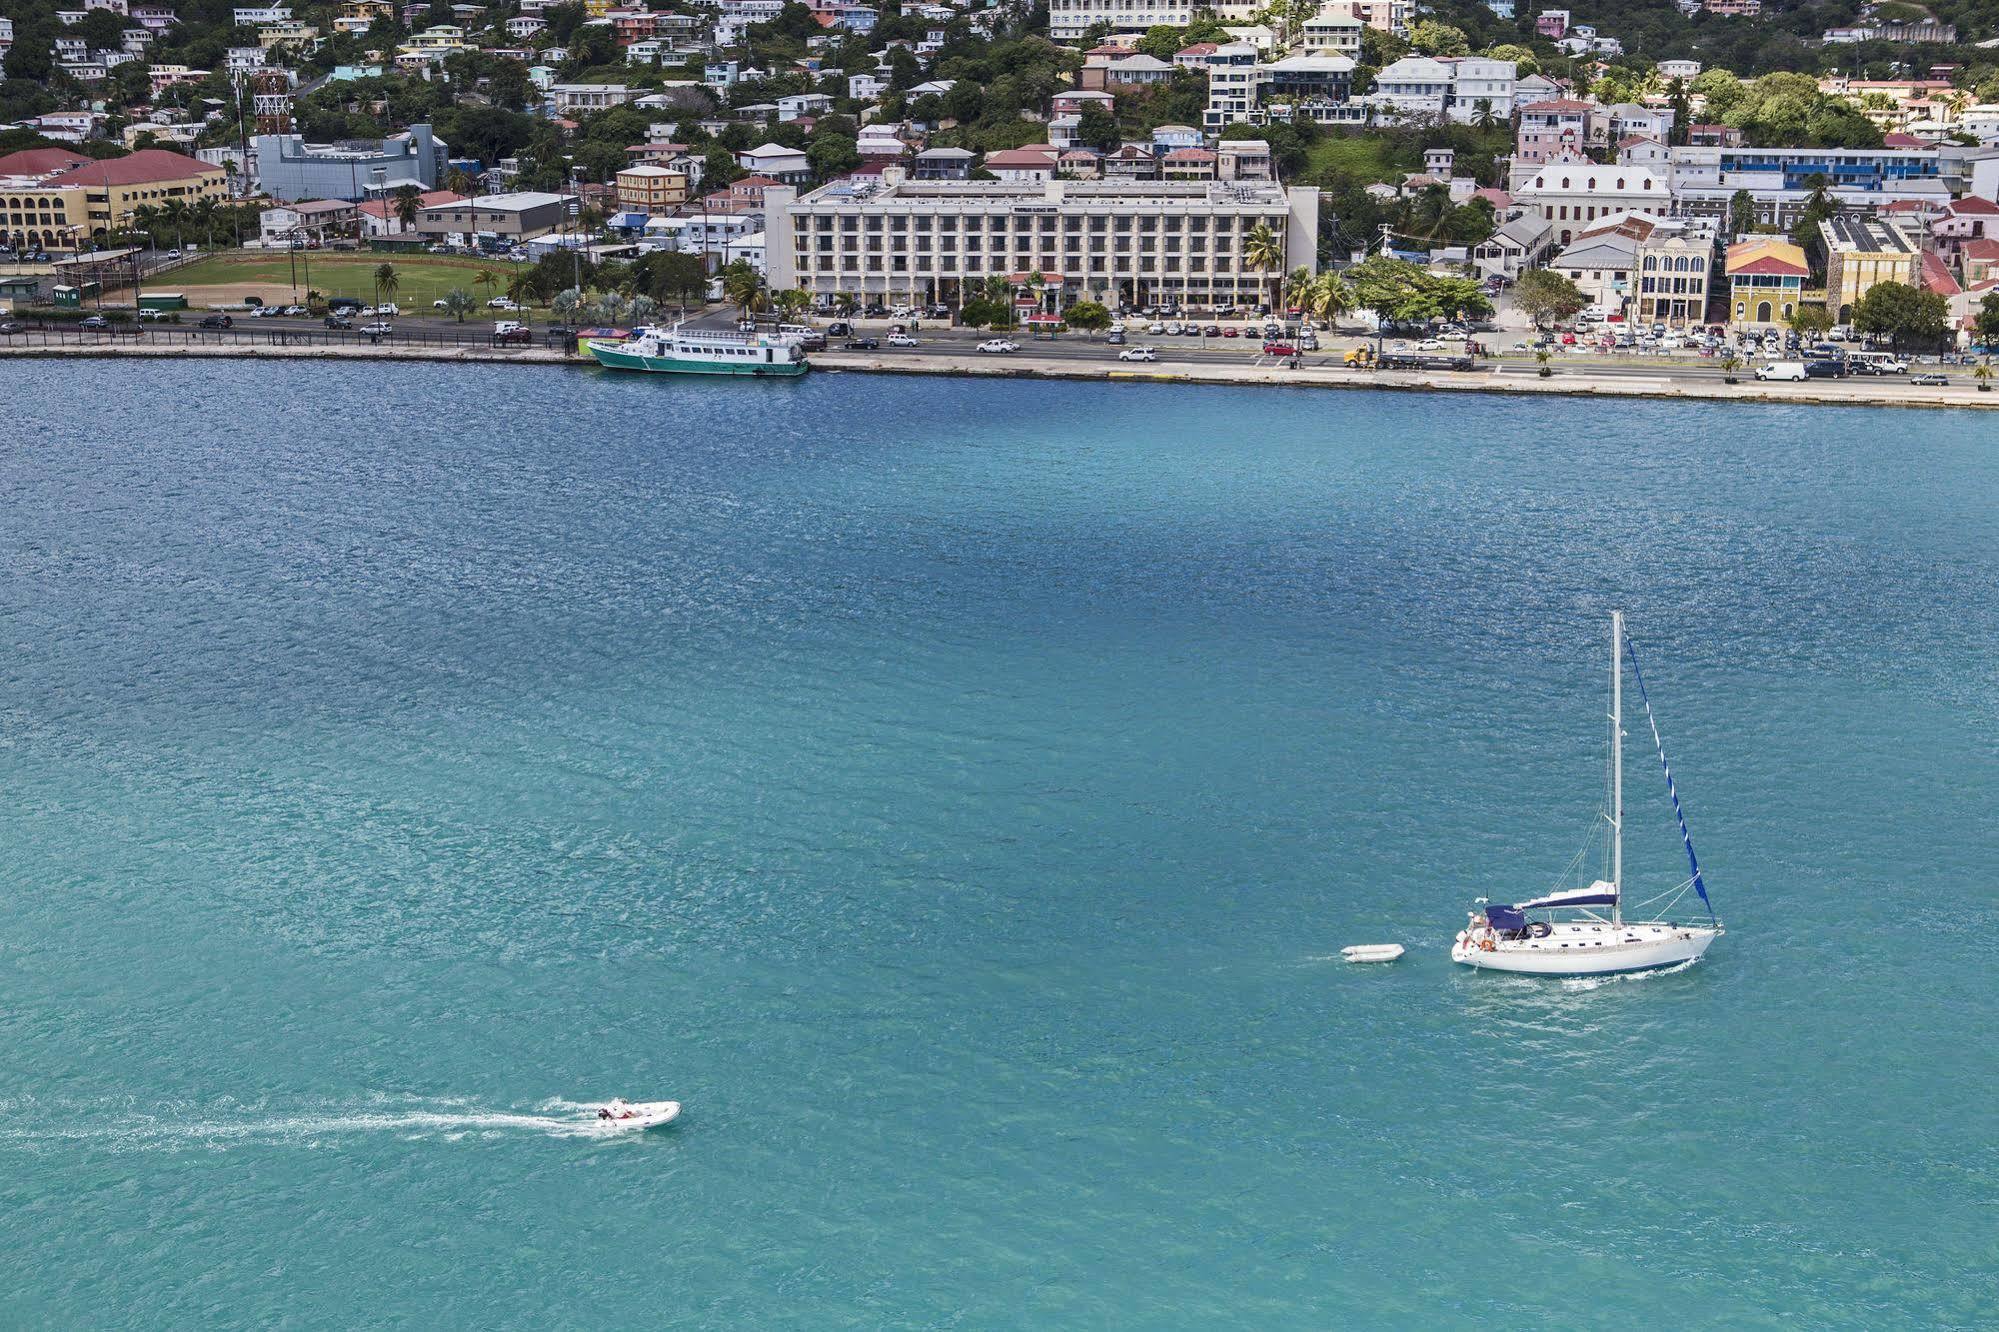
421, 278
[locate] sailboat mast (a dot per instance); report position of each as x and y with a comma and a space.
1616, 767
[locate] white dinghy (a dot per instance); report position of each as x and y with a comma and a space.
620, 1115
1582, 931
1372, 952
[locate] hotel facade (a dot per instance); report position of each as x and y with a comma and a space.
1128, 242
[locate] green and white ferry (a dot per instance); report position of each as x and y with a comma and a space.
683, 351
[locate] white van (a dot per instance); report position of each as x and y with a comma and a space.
1780, 370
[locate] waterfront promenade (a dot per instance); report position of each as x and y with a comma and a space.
1514, 376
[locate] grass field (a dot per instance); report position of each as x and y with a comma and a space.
423, 277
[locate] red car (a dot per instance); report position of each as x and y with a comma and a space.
1231, 332
1279, 349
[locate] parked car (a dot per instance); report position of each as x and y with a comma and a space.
502, 303
217, 321
1116, 339
381, 328
516, 334
1825, 369
1930, 379
1211, 330
1308, 342
1138, 354
1231, 332
1793, 371
999, 345
296, 310
863, 344
95, 323
9, 327
151, 316
1155, 330
839, 328
339, 321
901, 340
1279, 349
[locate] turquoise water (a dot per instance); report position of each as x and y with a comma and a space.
957, 795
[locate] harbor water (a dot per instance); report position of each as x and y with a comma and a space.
957, 795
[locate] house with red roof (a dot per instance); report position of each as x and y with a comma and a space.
1966, 219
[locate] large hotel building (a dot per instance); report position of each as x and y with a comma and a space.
1129, 242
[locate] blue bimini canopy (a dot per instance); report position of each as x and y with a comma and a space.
1505, 918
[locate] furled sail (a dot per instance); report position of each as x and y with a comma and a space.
1693, 863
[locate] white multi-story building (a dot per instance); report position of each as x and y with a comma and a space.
1570, 194
1465, 89
1069, 20
1333, 30
1127, 242
1236, 84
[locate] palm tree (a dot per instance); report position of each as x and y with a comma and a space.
1729, 365
1298, 290
793, 304
1983, 374
1262, 250
408, 204
566, 304
459, 302
205, 214
518, 284
744, 287
146, 218
1329, 298
386, 284
174, 214
457, 181
486, 281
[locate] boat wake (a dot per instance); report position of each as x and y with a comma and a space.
230, 1126
1619, 977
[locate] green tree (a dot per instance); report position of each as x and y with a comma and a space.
1986, 322
1809, 322
387, 283
1432, 38
458, 302
1088, 316
1902, 314
1097, 128
1544, 296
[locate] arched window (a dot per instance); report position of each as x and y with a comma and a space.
1620, 182
1651, 264
1762, 312
1565, 182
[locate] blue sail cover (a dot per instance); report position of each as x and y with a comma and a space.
1597, 894
1693, 864
1505, 918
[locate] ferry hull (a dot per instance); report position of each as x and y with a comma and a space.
1644, 947
613, 357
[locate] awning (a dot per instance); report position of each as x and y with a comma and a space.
1505, 918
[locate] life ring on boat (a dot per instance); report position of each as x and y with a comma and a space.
1486, 945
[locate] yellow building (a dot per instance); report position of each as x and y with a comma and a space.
62, 197
1861, 252
652, 189
1766, 282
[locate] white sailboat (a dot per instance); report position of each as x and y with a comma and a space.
1570, 933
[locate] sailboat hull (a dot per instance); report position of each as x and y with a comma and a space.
1586, 948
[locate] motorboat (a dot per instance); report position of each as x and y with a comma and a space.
1582, 931
621, 1115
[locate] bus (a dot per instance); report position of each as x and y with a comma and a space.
1875, 363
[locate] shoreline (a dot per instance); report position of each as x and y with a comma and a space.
1499, 379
